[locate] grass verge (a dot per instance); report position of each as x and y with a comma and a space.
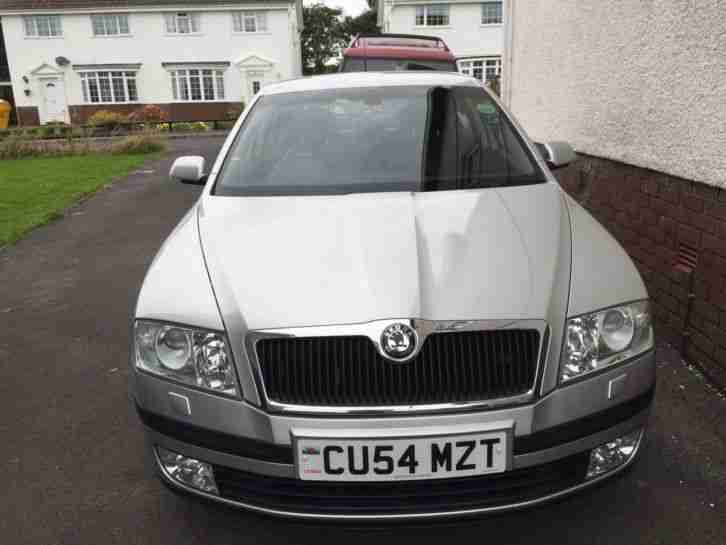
35, 191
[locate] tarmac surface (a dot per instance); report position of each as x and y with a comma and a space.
71, 446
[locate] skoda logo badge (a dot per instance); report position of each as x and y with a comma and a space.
398, 341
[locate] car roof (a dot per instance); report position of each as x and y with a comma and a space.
347, 80
399, 46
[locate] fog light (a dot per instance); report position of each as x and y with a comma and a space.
188, 471
613, 454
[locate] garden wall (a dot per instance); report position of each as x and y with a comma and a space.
28, 116
177, 111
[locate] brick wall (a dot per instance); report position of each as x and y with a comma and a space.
178, 111
675, 230
28, 116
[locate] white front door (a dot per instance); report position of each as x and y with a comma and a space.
53, 97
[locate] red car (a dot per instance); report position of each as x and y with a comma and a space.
397, 52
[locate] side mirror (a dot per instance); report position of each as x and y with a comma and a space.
556, 154
189, 170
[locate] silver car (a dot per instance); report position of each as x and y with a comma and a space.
384, 306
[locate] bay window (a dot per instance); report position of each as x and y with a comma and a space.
107, 86
485, 69
197, 84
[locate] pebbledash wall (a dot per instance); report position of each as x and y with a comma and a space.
148, 50
638, 88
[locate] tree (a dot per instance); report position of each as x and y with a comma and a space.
321, 39
327, 32
365, 23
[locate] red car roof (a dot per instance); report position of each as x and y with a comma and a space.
399, 46
413, 53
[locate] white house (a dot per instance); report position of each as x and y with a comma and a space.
474, 31
195, 59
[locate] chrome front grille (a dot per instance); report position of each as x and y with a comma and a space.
454, 367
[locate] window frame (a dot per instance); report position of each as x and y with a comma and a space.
241, 17
31, 22
183, 74
469, 67
421, 13
491, 20
116, 17
193, 18
126, 76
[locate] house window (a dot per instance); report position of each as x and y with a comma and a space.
256, 87
491, 13
196, 84
182, 23
108, 86
433, 15
43, 26
482, 69
110, 24
250, 21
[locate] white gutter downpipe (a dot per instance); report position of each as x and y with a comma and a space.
508, 53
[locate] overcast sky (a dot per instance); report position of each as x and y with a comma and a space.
350, 7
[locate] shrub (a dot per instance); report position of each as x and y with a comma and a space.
140, 143
225, 125
194, 126
80, 132
53, 130
151, 113
106, 119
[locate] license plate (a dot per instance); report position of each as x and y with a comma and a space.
401, 459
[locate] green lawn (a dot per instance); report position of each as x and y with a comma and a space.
36, 190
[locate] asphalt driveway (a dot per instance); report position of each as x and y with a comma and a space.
71, 447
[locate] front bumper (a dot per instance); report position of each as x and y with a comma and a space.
251, 452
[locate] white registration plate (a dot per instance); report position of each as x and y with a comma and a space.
400, 459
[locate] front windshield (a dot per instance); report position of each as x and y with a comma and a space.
375, 139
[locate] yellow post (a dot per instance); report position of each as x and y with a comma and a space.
4, 114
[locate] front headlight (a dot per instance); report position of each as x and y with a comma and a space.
191, 356
601, 339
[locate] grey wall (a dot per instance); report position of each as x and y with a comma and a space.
637, 81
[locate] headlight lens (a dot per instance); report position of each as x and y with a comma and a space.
173, 347
188, 355
600, 339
